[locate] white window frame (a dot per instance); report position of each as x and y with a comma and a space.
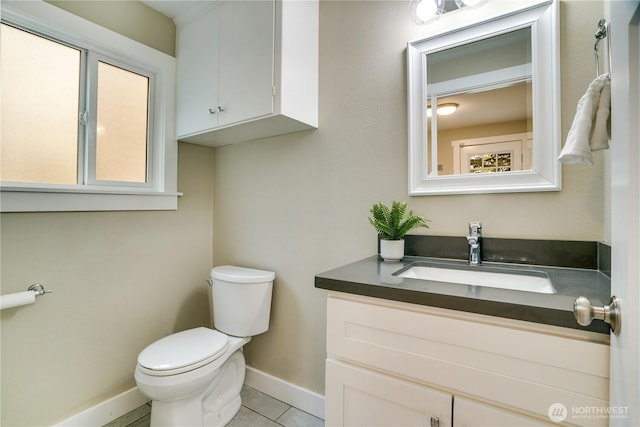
90, 159
160, 193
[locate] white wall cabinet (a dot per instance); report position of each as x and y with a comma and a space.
247, 70
395, 361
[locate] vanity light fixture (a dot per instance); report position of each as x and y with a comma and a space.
423, 11
444, 109
467, 3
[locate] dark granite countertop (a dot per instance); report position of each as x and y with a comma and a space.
375, 278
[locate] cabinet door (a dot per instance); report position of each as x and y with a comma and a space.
197, 71
246, 60
359, 397
468, 413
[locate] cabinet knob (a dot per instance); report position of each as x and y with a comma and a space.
220, 109
211, 111
435, 422
584, 313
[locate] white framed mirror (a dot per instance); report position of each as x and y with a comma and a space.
501, 78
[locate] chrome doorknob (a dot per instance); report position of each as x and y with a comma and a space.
584, 313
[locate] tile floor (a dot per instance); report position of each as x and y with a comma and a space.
258, 410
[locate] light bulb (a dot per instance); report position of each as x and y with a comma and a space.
426, 10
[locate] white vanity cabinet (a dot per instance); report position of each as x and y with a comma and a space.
360, 397
247, 70
392, 363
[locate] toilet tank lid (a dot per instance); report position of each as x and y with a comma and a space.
230, 273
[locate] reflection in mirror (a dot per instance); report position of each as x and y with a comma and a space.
482, 124
490, 83
501, 76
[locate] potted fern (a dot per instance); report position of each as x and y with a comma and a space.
392, 224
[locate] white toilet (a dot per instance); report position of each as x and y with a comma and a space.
194, 377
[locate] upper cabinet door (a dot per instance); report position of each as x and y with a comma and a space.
246, 60
248, 70
198, 59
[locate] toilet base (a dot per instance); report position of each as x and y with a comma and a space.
215, 406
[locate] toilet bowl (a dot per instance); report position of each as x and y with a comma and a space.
194, 377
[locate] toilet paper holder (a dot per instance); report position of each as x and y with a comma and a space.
23, 298
37, 287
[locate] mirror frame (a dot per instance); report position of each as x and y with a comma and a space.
546, 175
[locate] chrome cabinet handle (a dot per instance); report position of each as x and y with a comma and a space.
220, 109
435, 422
211, 111
584, 313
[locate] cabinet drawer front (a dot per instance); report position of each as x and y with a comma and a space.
360, 397
470, 357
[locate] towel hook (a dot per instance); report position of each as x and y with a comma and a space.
602, 32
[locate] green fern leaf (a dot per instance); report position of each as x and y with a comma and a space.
394, 223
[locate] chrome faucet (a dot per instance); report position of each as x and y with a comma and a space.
475, 234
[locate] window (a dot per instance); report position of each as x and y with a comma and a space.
493, 154
84, 113
39, 109
122, 123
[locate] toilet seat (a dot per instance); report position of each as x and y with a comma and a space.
182, 352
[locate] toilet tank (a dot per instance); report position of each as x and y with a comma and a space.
241, 300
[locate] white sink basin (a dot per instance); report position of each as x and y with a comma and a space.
491, 277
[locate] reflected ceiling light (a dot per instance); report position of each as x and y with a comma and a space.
444, 109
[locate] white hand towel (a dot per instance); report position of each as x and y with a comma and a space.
601, 131
579, 142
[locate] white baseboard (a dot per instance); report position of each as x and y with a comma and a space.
294, 395
117, 406
107, 411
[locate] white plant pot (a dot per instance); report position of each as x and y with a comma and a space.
392, 250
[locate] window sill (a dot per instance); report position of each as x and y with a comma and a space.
67, 200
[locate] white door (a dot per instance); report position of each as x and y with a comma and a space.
625, 229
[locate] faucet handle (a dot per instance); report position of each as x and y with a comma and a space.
475, 228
